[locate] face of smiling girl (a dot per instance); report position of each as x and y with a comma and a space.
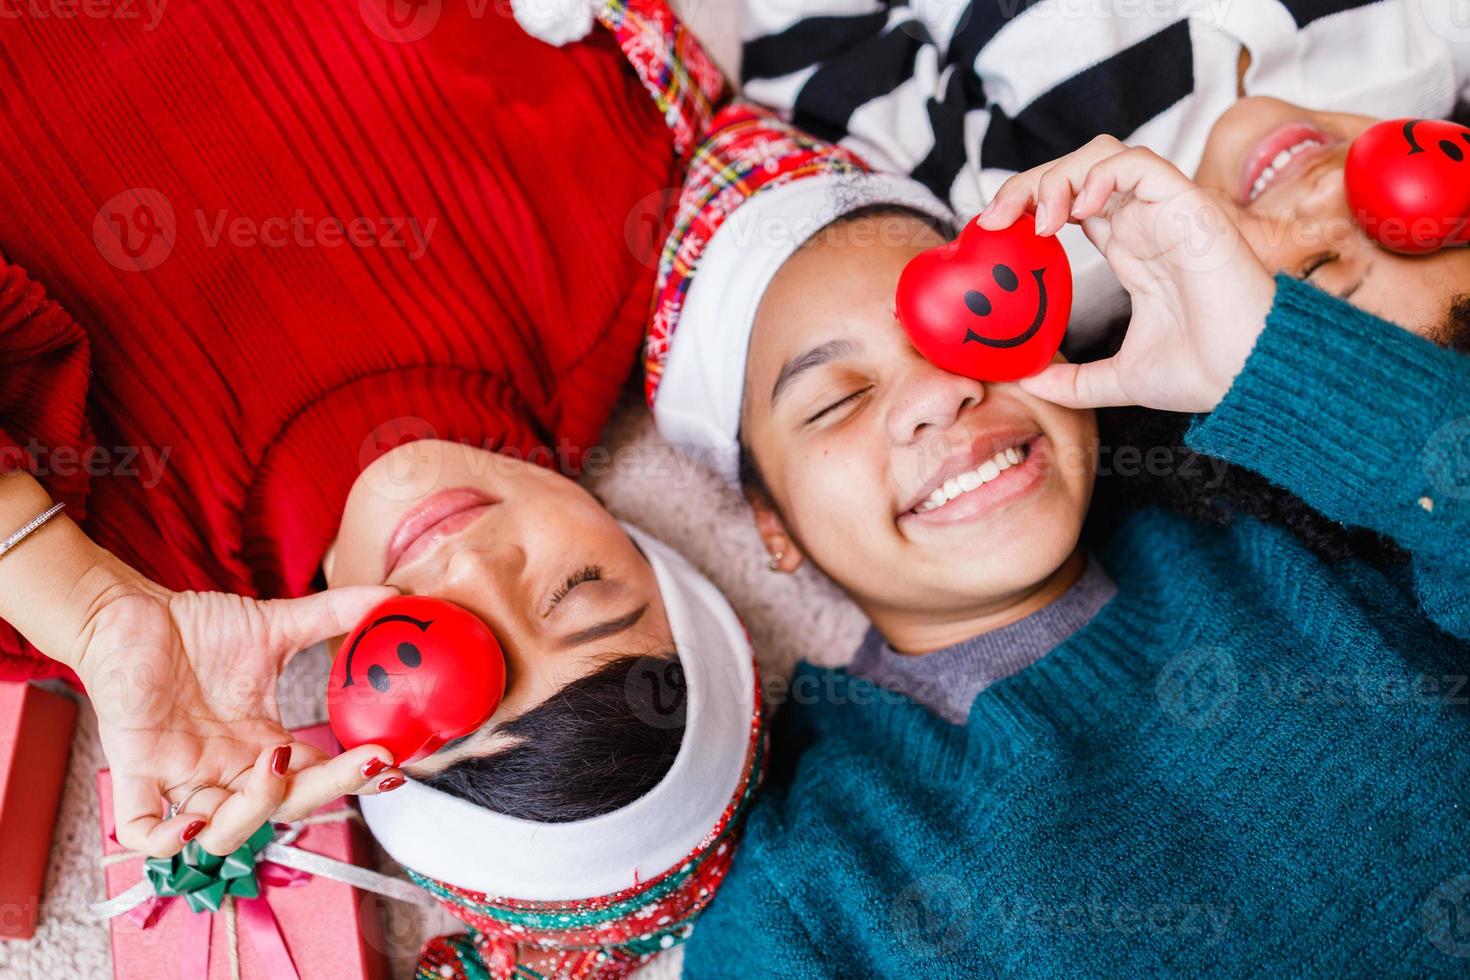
1282, 166
527, 550
939, 503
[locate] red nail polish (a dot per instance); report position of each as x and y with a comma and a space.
192, 831
391, 783
372, 767
281, 760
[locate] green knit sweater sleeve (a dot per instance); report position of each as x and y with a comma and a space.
1368, 423
751, 929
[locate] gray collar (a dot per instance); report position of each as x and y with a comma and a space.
947, 681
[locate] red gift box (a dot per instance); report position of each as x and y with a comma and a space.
331, 930
35, 739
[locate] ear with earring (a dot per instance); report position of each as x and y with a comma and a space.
781, 556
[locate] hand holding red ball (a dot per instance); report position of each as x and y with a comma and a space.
991, 305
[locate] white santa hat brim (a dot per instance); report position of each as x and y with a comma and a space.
698, 401
444, 837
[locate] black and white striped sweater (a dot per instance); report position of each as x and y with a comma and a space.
963, 93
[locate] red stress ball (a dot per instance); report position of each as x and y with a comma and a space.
416, 673
1408, 184
991, 305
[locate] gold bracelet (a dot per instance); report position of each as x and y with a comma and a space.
10, 543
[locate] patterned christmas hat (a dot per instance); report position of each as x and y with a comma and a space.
674, 67
757, 189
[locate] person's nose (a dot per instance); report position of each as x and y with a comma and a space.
925, 399
1324, 196
1315, 220
490, 582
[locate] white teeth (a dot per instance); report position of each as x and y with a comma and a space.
974, 479
1277, 164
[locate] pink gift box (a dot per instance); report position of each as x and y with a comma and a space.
332, 931
35, 739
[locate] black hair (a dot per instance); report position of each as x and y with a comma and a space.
882, 209
1211, 491
1456, 334
595, 746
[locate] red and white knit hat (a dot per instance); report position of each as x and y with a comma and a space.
757, 189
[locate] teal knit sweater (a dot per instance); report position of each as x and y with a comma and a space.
1250, 761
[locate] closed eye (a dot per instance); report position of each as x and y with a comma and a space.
590, 573
1314, 263
1321, 260
836, 405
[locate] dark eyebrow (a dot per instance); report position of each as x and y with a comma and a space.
603, 630
806, 361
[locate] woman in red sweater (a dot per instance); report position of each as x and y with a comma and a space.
279, 242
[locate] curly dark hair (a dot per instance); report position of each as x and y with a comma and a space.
1214, 492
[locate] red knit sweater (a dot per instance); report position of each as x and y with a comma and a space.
276, 243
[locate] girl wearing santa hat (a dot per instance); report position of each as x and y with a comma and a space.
1145, 743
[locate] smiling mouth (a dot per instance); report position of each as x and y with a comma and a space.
1280, 157
442, 514
985, 473
1029, 332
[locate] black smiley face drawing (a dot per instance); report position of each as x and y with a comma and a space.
434, 671
980, 304
408, 653
1446, 146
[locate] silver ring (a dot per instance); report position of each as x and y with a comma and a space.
175, 809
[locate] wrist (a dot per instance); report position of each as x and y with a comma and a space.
94, 582
1252, 306
53, 582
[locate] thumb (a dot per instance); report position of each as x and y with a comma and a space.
298, 623
1093, 385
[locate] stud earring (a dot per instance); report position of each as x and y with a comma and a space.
773, 563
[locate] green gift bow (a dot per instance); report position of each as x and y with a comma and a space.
203, 879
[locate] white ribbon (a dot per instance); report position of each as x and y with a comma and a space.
280, 852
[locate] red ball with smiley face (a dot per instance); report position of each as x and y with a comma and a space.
990, 305
1408, 184
417, 672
